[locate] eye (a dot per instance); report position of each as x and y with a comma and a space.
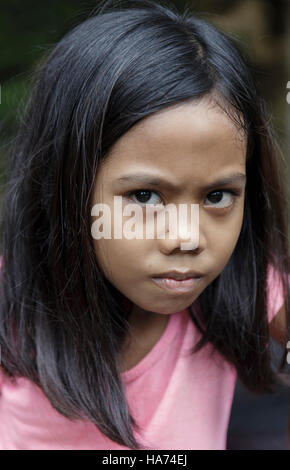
222, 198
144, 196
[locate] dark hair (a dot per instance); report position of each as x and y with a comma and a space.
61, 321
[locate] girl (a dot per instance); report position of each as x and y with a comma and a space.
103, 345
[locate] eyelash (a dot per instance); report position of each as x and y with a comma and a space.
235, 193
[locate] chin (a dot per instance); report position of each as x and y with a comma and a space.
172, 307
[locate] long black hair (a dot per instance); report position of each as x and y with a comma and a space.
61, 321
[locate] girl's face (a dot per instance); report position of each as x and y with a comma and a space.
190, 148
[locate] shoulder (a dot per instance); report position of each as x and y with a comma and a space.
274, 292
275, 305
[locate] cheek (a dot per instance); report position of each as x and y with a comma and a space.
120, 260
224, 236
120, 257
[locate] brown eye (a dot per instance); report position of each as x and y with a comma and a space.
145, 197
221, 199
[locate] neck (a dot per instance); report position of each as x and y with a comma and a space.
146, 329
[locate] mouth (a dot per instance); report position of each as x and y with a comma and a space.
179, 275
178, 282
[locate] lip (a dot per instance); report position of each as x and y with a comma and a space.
179, 275
176, 286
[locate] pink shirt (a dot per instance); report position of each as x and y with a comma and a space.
182, 401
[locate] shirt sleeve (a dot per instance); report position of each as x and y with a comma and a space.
275, 297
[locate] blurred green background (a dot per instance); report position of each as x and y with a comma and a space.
28, 28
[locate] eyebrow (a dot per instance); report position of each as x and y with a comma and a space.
147, 178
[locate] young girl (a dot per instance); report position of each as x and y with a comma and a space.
103, 345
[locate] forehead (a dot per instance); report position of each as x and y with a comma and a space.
193, 137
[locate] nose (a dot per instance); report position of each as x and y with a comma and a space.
182, 231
